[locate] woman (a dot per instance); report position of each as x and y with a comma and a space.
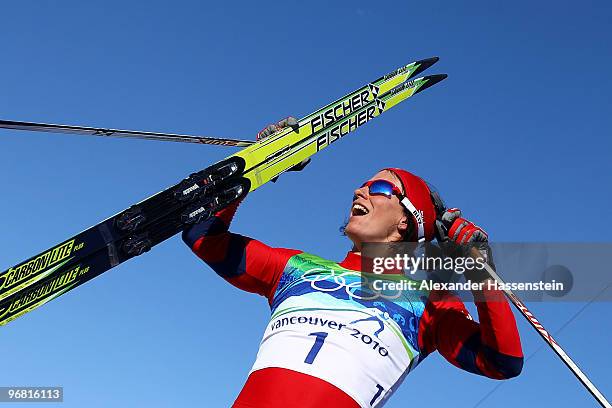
327, 347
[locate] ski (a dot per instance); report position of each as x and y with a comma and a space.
135, 230
138, 216
129, 134
74, 272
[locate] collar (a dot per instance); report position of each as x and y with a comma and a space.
352, 261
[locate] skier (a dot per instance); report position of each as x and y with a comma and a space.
324, 346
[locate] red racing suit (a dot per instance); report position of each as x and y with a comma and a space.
327, 345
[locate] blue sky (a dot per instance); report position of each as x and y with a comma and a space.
518, 136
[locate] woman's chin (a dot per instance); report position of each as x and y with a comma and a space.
352, 227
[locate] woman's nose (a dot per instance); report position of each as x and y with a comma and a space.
360, 192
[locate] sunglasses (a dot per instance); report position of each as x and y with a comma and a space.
388, 189
382, 187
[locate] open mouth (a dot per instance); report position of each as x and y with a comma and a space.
359, 210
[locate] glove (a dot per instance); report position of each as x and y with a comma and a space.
460, 236
271, 129
275, 127
453, 227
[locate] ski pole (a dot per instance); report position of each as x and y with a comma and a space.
550, 340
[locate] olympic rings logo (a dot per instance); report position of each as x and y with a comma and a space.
354, 284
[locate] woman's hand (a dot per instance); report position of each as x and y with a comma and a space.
275, 127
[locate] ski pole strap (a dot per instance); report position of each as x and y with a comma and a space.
418, 217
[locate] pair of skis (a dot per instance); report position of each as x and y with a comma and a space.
136, 230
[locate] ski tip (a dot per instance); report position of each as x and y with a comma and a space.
430, 61
424, 64
437, 77
431, 81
